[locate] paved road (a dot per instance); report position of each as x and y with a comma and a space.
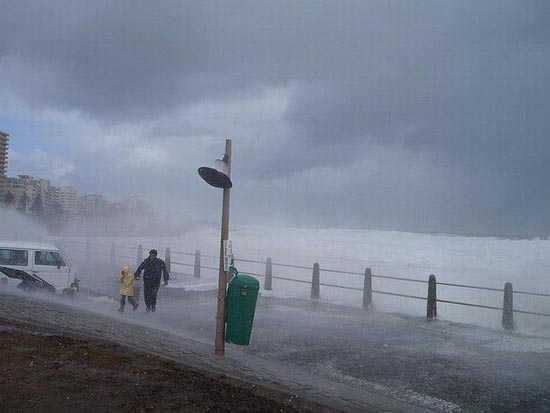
355, 360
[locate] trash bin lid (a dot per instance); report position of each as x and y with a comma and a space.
241, 280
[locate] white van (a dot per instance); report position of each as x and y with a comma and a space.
42, 260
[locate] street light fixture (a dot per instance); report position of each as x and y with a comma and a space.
220, 177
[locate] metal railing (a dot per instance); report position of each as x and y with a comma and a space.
315, 283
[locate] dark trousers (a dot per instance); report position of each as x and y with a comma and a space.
130, 300
150, 294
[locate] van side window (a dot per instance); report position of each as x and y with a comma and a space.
48, 258
14, 257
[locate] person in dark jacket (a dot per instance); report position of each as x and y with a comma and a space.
154, 267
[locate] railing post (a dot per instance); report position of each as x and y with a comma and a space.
367, 289
508, 307
87, 252
139, 254
167, 259
197, 268
113, 254
315, 282
268, 274
431, 312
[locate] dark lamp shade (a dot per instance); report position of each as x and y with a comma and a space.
215, 178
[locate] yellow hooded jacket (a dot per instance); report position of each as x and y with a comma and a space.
127, 279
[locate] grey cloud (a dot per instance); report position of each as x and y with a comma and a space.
138, 59
460, 87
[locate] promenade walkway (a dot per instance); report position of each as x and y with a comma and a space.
66, 318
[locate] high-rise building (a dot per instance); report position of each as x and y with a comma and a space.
4, 139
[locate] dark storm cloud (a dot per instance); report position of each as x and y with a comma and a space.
458, 88
116, 59
109, 60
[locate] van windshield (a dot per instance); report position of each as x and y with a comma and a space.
14, 257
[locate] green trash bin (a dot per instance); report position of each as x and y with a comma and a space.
242, 295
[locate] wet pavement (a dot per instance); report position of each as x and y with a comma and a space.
440, 365
350, 359
69, 317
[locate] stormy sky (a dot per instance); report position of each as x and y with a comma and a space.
408, 115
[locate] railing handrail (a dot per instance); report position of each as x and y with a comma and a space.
338, 272
182, 253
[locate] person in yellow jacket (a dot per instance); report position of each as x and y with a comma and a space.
127, 288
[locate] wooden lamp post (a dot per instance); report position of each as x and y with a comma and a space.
220, 177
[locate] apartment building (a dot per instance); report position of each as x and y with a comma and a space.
92, 204
136, 203
25, 191
13, 193
67, 198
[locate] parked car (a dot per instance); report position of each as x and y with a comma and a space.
43, 262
